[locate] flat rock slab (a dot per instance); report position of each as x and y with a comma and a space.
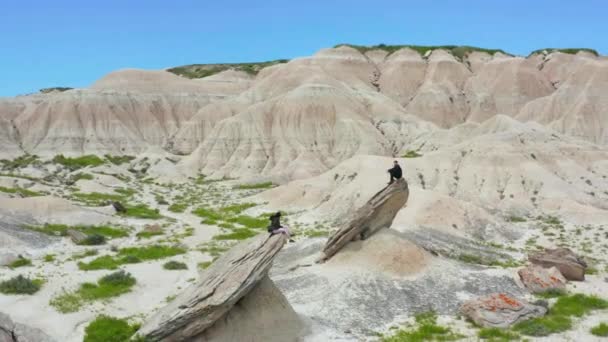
539, 279
377, 213
17, 332
222, 285
500, 310
566, 261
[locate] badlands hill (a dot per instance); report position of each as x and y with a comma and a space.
503, 156
300, 118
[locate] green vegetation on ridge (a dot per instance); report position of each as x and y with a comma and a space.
204, 70
459, 51
571, 51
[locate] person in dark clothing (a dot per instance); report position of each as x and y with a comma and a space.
275, 226
395, 172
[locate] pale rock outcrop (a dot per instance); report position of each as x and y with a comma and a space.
17, 332
377, 213
226, 282
571, 266
538, 279
500, 310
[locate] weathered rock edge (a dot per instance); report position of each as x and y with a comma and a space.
377, 213
219, 288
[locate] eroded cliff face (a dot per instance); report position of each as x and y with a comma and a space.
303, 117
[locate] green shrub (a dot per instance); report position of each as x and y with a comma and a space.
21, 262
49, 258
600, 330
20, 191
62, 229
109, 329
263, 185
111, 285
20, 285
97, 199
93, 240
426, 330
497, 335
411, 154
19, 162
78, 162
205, 70
571, 51
178, 207
559, 317
142, 211
131, 255
119, 160
458, 51
175, 265
81, 175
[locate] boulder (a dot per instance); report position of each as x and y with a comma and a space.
77, 237
219, 288
377, 213
538, 279
571, 266
500, 310
17, 332
7, 259
153, 229
119, 207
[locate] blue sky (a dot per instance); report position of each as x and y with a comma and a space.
72, 43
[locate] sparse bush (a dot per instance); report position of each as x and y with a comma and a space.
412, 154
61, 230
178, 207
600, 330
20, 262
175, 265
20, 285
142, 211
119, 160
94, 240
426, 330
21, 192
49, 258
19, 162
111, 285
109, 329
263, 185
78, 162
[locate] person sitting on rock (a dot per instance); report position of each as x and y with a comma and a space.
395, 172
275, 226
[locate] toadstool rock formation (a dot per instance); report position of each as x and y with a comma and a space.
377, 213
232, 294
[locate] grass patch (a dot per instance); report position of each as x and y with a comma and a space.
204, 70
411, 154
131, 255
109, 329
87, 253
497, 335
237, 208
559, 318
97, 199
204, 264
119, 160
263, 185
178, 207
142, 211
81, 175
111, 285
49, 258
21, 262
78, 162
147, 235
208, 214
600, 330
175, 265
19, 162
426, 329
458, 51
20, 191
20, 285
250, 222
571, 51
62, 229
516, 219
237, 234
551, 293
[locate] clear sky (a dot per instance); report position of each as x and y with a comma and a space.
45, 43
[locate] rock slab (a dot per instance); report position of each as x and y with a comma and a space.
377, 213
500, 310
571, 266
16, 332
219, 288
538, 279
